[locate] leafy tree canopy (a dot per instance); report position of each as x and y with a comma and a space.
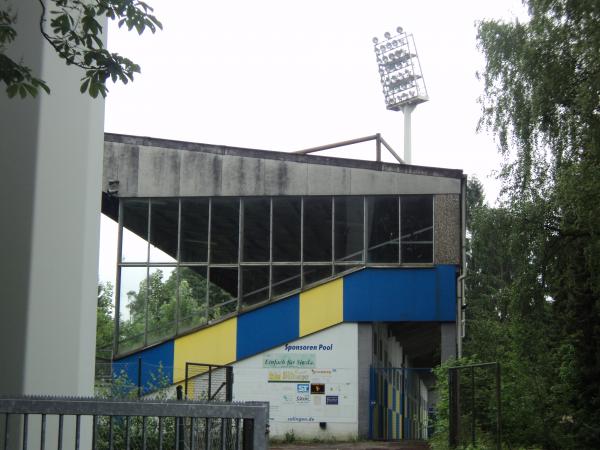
535, 283
73, 29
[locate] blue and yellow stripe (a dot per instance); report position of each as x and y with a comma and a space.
369, 295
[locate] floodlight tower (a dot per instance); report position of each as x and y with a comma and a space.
401, 78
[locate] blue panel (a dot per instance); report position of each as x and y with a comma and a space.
388, 295
157, 369
268, 327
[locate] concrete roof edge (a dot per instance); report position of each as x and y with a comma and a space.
282, 156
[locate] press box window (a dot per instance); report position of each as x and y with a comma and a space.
416, 212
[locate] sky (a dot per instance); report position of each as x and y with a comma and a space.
286, 75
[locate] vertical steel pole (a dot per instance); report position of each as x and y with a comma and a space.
187, 364
473, 405
209, 383
498, 409
378, 147
139, 378
407, 110
179, 432
452, 400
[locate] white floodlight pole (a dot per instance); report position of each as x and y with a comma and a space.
407, 110
401, 78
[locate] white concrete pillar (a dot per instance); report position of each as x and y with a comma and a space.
51, 166
448, 342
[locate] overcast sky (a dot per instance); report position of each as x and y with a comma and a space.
286, 75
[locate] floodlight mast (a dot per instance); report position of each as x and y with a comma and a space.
401, 78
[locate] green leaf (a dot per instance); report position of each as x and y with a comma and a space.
84, 85
12, 90
31, 89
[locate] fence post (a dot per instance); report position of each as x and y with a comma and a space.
248, 434
453, 408
139, 377
473, 439
498, 408
229, 384
180, 424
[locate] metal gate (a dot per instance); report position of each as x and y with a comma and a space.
208, 382
475, 405
398, 409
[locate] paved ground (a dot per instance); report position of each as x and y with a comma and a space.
362, 445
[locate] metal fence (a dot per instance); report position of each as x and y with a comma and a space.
84, 423
208, 382
397, 408
475, 412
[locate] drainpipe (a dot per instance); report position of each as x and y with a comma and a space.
460, 282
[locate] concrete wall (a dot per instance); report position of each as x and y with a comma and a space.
150, 170
447, 229
365, 361
328, 358
51, 159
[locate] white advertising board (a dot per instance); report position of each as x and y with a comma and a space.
310, 380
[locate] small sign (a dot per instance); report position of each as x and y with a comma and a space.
331, 400
303, 388
288, 361
317, 388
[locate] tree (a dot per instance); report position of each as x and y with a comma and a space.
73, 30
104, 318
153, 307
541, 99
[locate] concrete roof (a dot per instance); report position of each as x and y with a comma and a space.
145, 167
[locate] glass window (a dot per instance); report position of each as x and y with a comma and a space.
192, 297
194, 230
161, 303
285, 279
132, 308
286, 229
164, 218
134, 218
349, 234
341, 268
382, 223
417, 228
218, 311
257, 217
312, 274
317, 229
223, 285
224, 231
255, 285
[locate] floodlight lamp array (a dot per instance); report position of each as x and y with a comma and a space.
400, 70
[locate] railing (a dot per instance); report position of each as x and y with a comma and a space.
379, 141
59, 422
208, 382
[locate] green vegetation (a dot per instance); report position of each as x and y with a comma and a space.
157, 298
73, 29
533, 283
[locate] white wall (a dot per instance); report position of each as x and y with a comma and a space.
283, 377
51, 163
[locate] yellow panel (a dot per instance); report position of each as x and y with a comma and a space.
321, 307
400, 435
212, 345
